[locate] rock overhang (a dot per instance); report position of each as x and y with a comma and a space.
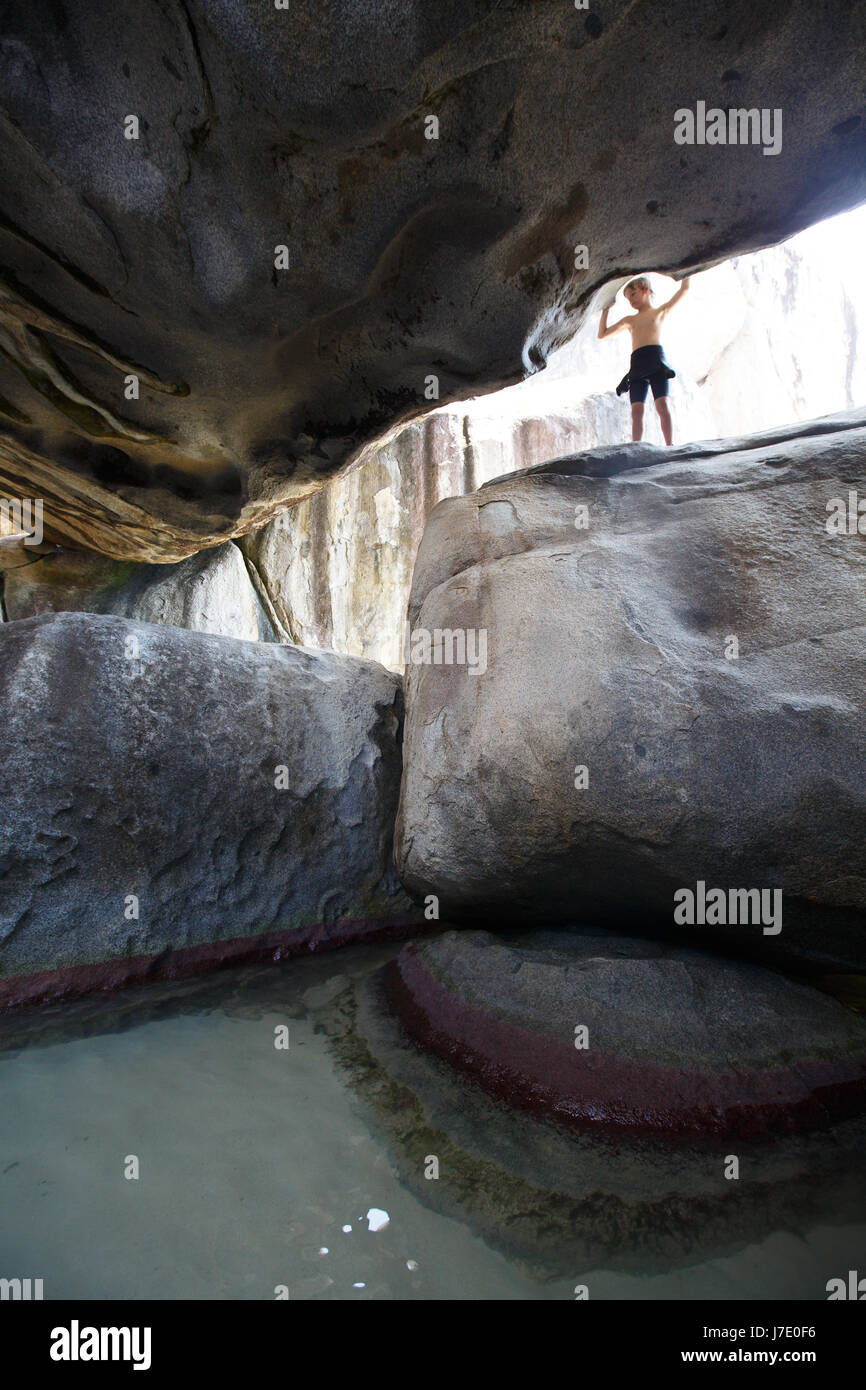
407, 257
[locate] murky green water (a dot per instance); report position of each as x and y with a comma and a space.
253, 1162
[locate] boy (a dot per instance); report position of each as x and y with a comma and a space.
648, 366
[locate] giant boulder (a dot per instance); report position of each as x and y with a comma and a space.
173, 800
559, 1156
671, 695
623, 1036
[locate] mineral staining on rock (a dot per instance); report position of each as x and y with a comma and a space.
672, 700
561, 1197
628, 1037
673, 692
172, 800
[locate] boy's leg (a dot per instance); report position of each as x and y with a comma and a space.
664, 414
661, 385
637, 393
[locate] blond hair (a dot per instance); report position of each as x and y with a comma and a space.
640, 282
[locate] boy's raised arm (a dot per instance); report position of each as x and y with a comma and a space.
605, 329
675, 298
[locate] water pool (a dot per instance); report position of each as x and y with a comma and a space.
258, 1165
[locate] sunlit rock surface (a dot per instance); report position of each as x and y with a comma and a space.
174, 800
669, 691
767, 339
261, 372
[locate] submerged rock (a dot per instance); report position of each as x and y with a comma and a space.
563, 1198
174, 800
649, 679
629, 1037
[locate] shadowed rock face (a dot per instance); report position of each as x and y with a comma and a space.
208, 592
407, 257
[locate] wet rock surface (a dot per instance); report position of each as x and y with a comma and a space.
563, 1199
630, 1220
629, 1037
151, 250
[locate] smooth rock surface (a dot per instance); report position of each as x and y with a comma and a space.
140, 769
154, 252
606, 650
676, 1042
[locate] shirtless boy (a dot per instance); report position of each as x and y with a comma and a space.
649, 366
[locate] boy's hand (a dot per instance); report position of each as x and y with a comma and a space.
675, 298
608, 293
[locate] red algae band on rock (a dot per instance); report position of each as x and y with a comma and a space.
627, 1035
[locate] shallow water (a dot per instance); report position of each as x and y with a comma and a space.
252, 1161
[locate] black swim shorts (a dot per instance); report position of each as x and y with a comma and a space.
648, 368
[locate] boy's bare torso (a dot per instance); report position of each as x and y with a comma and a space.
645, 326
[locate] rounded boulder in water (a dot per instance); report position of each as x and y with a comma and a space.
620, 1035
